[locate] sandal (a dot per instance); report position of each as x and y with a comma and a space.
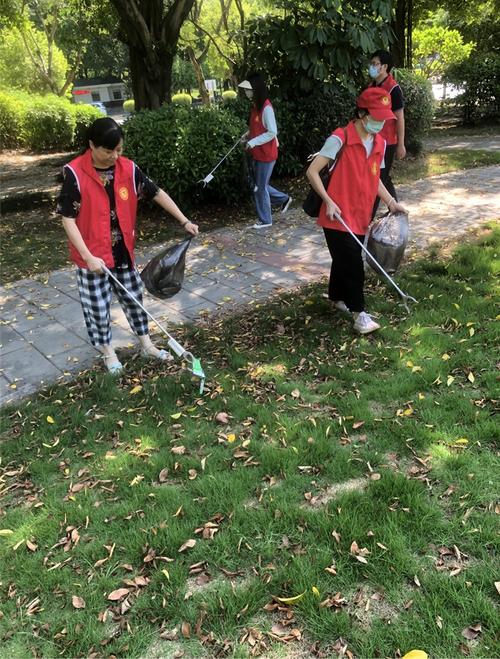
162, 355
112, 363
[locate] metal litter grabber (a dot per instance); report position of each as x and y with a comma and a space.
209, 177
194, 363
404, 296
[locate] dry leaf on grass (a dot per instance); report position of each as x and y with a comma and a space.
472, 631
118, 594
78, 602
189, 544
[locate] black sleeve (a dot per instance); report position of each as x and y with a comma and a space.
397, 98
68, 202
145, 187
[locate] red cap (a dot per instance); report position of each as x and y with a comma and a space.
378, 103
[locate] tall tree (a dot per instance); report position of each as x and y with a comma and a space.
150, 29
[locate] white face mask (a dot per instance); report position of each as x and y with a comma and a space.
249, 93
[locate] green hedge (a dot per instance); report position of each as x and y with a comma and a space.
181, 99
42, 123
419, 108
129, 105
480, 77
178, 146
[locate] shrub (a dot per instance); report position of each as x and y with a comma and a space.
49, 124
229, 96
181, 99
12, 111
177, 148
419, 108
129, 105
84, 115
480, 76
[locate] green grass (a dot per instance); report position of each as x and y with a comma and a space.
440, 162
405, 416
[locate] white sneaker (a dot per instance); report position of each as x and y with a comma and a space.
364, 323
341, 306
261, 225
286, 205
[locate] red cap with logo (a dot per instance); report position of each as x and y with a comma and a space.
378, 103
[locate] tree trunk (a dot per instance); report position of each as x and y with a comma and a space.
398, 47
205, 98
151, 34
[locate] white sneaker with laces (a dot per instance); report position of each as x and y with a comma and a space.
364, 323
261, 225
286, 205
341, 306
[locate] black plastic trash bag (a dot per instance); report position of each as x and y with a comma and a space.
164, 274
387, 241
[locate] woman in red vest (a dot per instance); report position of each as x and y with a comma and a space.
261, 140
98, 205
353, 186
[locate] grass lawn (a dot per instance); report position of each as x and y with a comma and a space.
356, 475
32, 243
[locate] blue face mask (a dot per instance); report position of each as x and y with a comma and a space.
373, 70
373, 127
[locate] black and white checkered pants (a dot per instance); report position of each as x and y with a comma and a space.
95, 296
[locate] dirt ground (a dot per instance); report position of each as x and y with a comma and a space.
23, 172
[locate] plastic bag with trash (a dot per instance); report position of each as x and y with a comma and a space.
164, 274
387, 239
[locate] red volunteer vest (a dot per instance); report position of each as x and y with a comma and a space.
354, 183
267, 152
389, 131
93, 219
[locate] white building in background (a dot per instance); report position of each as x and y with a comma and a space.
110, 91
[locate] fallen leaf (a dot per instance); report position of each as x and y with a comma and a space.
222, 417
497, 586
136, 389
176, 416
472, 632
78, 602
178, 450
117, 595
189, 544
290, 600
163, 475
231, 438
416, 654
50, 419
5, 532
315, 591
31, 545
186, 629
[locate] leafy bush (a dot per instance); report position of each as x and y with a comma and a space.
84, 115
177, 147
480, 76
419, 108
229, 96
181, 99
49, 124
129, 105
12, 111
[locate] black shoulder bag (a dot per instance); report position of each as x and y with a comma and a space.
313, 201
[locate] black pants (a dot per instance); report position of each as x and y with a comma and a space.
385, 175
347, 276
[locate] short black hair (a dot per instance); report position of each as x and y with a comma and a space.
385, 57
105, 132
259, 88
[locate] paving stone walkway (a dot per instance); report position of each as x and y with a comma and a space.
42, 334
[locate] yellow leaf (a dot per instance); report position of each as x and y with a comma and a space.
290, 600
165, 572
231, 438
449, 380
470, 377
421, 396
5, 532
136, 480
408, 412
315, 591
462, 440
50, 419
471, 331
445, 357
416, 369
136, 389
457, 306
176, 416
409, 363
416, 654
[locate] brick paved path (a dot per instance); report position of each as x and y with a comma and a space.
42, 334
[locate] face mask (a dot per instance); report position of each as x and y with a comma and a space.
373, 70
372, 126
249, 93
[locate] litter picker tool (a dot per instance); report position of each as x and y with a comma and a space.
404, 296
180, 351
209, 177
